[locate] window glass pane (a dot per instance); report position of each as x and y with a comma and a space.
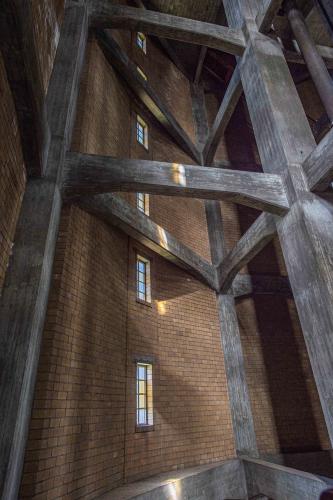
142, 417
142, 401
142, 387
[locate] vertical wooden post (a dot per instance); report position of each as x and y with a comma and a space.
284, 140
25, 294
240, 406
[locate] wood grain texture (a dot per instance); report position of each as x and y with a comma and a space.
318, 166
143, 90
255, 239
105, 15
92, 174
25, 294
114, 210
260, 284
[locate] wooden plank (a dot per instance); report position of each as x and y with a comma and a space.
260, 284
255, 239
306, 233
266, 13
279, 481
142, 89
114, 210
25, 293
19, 53
325, 52
225, 112
92, 174
105, 15
318, 166
325, 8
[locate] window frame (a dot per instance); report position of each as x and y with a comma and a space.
147, 300
144, 202
142, 73
148, 425
141, 41
145, 131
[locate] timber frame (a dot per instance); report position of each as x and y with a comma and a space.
294, 169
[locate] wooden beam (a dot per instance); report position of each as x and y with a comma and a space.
227, 107
240, 406
325, 8
325, 52
114, 210
24, 298
105, 15
284, 141
266, 13
255, 239
92, 174
260, 284
19, 53
201, 60
142, 89
318, 166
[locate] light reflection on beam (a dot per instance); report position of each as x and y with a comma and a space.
163, 240
178, 174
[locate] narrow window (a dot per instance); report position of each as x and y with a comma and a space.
141, 132
144, 394
143, 292
141, 42
142, 202
141, 73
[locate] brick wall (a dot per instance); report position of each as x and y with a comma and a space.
13, 177
76, 441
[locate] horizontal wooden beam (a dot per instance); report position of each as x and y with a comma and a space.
325, 52
260, 284
143, 90
105, 15
266, 13
19, 53
255, 239
114, 210
227, 107
92, 174
318, 166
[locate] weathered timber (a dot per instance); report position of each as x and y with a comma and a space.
227, 107
278, 481
114, 210
19, 53
92, 174
240, 406
201, 60
306, 233
325, 52
260, 284
315, 64
266, 14
105, 15
325, 8
25, 293
255, 239
318, 166
145, 93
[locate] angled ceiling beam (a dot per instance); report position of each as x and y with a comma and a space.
325, 8
266, 13
318, 166
165, 43
227, 107
200, 63
19, 53
114, 210
255, 239
325, 52
92, 174
260, 284
142, 89
105, 15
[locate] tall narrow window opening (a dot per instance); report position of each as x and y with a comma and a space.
142, 202
144, 394
141, 42
141, 132
143, 288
